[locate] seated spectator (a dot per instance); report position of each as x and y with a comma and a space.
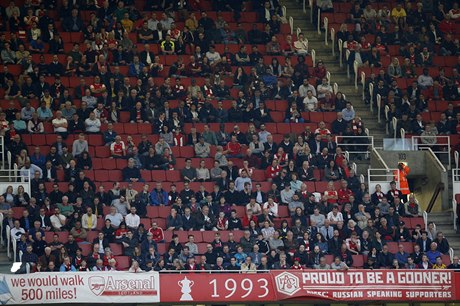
93, 124
118, 148
130, 173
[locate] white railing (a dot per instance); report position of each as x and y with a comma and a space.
8, 241
347, 55
454, 212
283, 10
14, 244
328, 76
382, 177
298, 31
371, 96
291, 24
355, 70
362, 179
363, 83
10, 162
326, 26
335, 88
394, 123
15, 181
318, 22
387, 119
1, 229
304, 6
437, 148
354, 167
333, 40
340, 45
3, 150
379, 107
313, 57
451, 255
425, 219
403, 134
350, 143
456, 156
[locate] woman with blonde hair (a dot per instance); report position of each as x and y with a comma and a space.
394, 69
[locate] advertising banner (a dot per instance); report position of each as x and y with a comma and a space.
366, 285
217, 287
84, 287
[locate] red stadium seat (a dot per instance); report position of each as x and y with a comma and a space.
358, 261
123, 263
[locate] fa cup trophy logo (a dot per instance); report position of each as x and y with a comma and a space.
186, 288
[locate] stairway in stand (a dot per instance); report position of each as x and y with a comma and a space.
338, 74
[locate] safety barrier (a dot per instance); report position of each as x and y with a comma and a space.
441, 146
350, 143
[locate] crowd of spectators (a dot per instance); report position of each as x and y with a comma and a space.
400, 42
341, 223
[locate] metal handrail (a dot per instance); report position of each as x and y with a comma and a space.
361, 178
313, 57
8, 241
347, 55
451, 254
379, 107
355, 70
2, 151
371, 96
381, 159
394, 122
369, 145
291, 24
363, 83
335, 88
318, 22
326, 25
333, 40
456, 156
1, 228
417, 146
454, 210
304, 8
387, 110
298, 31
328, 77
310, 2
425, 218
283, 10
340, 45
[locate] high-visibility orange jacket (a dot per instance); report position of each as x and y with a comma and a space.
402, 178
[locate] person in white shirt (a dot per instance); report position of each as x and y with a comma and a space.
60, 123
213, 56
89, 220
79, 145
323, 88
17, 231
92, 124
28, 170
57, 220
305, 87
115, 217
310, 102
132, 220
301, 45
335, 216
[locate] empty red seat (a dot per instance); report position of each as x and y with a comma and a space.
123, 263
101, 176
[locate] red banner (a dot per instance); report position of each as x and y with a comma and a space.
217, 287
366, 285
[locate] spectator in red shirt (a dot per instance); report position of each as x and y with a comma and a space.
344, 193
234, 148
272, 171
157, 232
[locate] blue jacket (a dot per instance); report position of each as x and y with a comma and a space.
157, 197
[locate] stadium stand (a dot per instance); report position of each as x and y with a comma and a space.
179, 136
